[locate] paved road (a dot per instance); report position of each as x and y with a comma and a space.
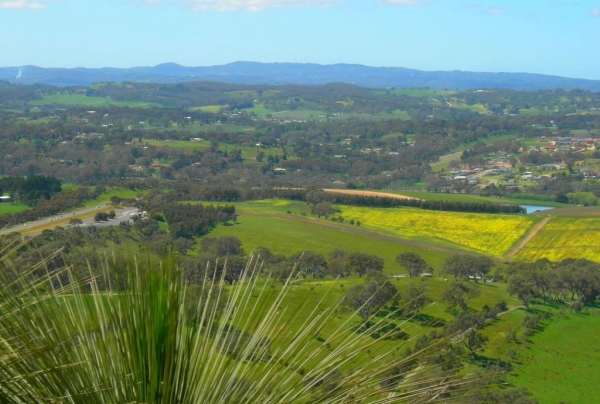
64, 218
121, 216
447, 158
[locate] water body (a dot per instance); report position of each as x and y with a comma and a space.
535, 208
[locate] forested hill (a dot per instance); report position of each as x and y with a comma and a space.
296, 73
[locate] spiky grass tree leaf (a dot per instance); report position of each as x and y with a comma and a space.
147, 337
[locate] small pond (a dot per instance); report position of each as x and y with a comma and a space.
535, 208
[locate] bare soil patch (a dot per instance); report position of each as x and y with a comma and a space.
579, 211
367, 193
521, 244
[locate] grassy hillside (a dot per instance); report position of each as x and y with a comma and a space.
560, 363
80, 99
248, 152
289, 237
11, 208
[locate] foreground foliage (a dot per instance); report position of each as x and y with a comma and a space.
137, 334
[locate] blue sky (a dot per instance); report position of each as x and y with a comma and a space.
537, 36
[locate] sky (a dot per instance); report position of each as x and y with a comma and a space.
535, 36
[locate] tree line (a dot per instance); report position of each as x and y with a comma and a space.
570, 279
64, 200
193, 220
29, 190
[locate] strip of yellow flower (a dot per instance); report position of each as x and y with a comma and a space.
565, 237
486, 233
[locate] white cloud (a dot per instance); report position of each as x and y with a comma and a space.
495, 10
401, 2
595, 12
21, 4
254, 5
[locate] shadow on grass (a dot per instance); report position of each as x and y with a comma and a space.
381, 330
424, 320
486, 362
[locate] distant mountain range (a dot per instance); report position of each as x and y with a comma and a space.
295, 73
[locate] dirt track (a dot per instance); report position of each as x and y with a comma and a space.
367, 193
536, 229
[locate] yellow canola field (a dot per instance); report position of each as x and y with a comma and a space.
485, 233
565, 237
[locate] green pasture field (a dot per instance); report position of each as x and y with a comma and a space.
300, 114
259, 110
290, 237
8, 207
557, 363
272, 206
565, 237
396, 114
120, 192
486, 234
535, 111
222, 127
79, 99
585, 132
560, 363
199, 129
304, 294
179, 144
248, 152
242, 93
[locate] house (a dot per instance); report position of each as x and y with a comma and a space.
279, 170
4, 199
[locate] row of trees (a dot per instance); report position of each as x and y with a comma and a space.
66, 199
29, 190
569, 279
189, 221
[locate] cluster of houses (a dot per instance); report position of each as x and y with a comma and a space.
567, 143
469, 176
93, 135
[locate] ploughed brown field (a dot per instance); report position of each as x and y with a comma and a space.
367, 193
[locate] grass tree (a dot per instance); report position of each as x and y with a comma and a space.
132, 331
